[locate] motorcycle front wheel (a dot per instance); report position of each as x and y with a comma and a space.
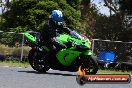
90, 65
36, 60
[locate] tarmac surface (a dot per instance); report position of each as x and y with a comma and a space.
14, 77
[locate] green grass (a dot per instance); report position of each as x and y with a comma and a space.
14, 63
114, 72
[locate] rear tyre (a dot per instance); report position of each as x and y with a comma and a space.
37, 61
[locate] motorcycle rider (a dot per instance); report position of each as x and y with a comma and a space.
51, 29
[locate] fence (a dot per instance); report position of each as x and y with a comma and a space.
122, 50
12, 46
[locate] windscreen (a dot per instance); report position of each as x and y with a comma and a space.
76, 35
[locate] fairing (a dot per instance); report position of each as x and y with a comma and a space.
68, 55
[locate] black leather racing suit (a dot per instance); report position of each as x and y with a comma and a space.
51, 30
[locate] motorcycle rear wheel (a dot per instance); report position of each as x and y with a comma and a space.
36, 61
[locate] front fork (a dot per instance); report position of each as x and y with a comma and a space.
84, 59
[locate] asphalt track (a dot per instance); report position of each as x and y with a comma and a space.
13, 77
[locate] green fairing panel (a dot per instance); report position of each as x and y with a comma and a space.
63, 38
82, 42
67, 56
29, 37
89, 53
87, 44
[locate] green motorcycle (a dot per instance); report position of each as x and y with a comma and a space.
77, 53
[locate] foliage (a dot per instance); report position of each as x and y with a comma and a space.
100, 26
108, 28
121, 8
10, 39
74, 3
88, 18
25, 15
125, 5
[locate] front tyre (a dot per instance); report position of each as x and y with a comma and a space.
90, 65
36, 60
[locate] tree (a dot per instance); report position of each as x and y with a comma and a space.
10, 39
24, 15
88, 17
125, 6
100, 26
74, 3
112, 5
107, 28
122, 9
